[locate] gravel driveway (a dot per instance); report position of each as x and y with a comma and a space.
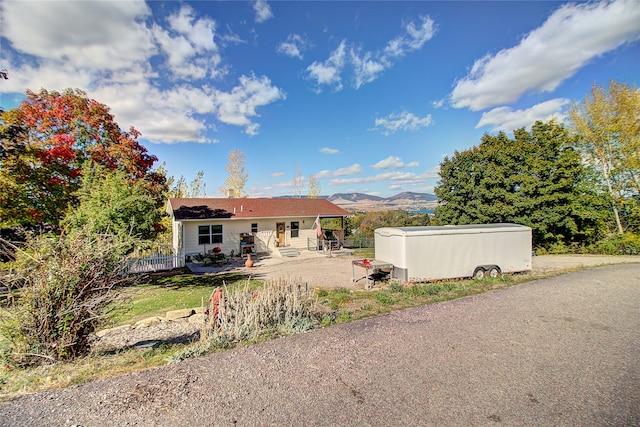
331, 272
557, 351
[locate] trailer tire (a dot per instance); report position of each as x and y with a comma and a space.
478, 273
494, 271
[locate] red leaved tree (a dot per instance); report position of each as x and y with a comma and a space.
46, 143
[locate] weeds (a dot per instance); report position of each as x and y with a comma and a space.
384, 299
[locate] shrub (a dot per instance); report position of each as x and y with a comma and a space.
619, 244
66, 287
280, 307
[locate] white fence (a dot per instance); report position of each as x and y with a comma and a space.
155, 263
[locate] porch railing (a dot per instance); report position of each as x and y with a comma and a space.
358, 243
155, 263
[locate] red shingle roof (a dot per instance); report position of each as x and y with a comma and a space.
205, 208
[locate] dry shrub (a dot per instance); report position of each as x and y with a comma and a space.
65, 286
280, 307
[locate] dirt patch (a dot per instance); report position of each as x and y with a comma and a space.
318, 271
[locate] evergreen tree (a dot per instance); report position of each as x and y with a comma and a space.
535, 179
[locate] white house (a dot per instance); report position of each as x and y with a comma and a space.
246, 225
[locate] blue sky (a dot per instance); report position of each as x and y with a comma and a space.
367, 96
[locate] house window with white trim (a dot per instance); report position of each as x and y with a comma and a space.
295, 229
254, 227
209, 234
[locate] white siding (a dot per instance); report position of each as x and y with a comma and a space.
265, 238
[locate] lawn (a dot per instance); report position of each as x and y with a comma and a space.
171, 291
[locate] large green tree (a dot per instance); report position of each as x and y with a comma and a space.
365, 224
45, 143
608, 124
111, 202
535, 178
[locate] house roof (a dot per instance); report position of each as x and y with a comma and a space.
230, 208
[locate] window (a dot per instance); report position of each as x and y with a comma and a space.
209, 234
254, 227
295, 229
216, 234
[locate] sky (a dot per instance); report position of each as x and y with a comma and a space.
367, 96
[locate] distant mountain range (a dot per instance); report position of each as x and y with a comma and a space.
406, 200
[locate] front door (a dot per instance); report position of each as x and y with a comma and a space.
280, 227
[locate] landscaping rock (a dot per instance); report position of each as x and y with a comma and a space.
108, 331
149, 321
198, 318
180, 314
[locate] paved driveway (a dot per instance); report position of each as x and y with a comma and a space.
558, 351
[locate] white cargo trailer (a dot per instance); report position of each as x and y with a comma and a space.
452, 251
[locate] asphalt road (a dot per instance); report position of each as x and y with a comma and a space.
563, 351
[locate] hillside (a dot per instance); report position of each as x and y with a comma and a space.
365, 202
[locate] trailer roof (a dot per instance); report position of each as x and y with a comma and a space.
451, 229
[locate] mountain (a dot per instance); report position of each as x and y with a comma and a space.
366, 202
353, 198
409, 195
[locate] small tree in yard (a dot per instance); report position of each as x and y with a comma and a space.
237, 174
67, 286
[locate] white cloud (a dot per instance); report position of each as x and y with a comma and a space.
505, 119
368, 65
402, 121
351, 170
263, 11
328, 72
112, 33
394, 162
112, 59
189, 45
276, 174
239, 105
169, 115
326, 173
396, 178
327, 150
293, 46
570, 38
401, 177
414, 38
366, 69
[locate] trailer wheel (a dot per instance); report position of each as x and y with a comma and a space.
478, 273
494, 271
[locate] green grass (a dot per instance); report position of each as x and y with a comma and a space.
364, 253
171, 292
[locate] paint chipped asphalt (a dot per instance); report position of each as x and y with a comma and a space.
557, 351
